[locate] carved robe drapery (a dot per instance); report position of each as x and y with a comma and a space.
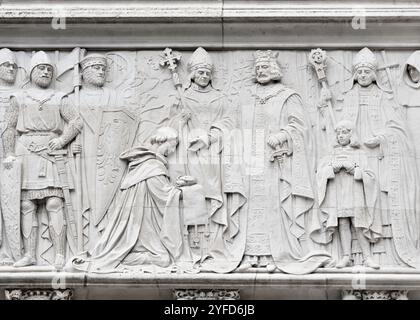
108, 131
145, 226
343, 195
375, 114
281, 195
409, 98
221, 181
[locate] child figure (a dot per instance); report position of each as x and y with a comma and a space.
348, 194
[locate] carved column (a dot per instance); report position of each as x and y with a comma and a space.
206, 294
375, 295
38, 294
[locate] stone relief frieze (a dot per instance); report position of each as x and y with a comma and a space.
164, 161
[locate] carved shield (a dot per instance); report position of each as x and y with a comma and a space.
116, 134
10, 185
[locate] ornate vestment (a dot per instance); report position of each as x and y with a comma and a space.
221, 181
375, 114
281, 195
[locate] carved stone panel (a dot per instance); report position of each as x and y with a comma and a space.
41, 294
203, 294
196, 161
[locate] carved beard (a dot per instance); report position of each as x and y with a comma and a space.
264, 78
90, 76
41, 81
7, 76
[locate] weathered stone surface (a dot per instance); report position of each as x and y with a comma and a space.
276, 146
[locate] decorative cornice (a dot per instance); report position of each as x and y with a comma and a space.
213, 24
209, 10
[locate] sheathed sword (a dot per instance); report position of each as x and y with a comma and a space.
64, 180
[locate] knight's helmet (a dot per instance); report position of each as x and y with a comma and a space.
365, 58
200, 59
40, 58
92, 60
7, 55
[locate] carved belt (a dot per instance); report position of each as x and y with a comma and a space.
39, 149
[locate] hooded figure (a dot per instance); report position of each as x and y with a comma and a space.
409, 96
145, 229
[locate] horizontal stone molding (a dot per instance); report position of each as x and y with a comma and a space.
212, 24
333, 280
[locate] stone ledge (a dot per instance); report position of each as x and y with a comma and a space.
227, 24
214, 10
372, 281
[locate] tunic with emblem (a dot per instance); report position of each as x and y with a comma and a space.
39, 119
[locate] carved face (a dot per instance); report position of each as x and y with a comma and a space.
167, 147
95, 75
365, 76
263, 72
202, 77
42, 75
343, 136
8, 72
413, 73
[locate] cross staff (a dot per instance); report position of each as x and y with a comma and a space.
388, 67
171, 59
317, 58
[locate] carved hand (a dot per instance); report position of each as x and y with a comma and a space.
56, 144
273, 140
197, 143
372, 142
349, 166
213, 136
8, 161
336, 166
183, 181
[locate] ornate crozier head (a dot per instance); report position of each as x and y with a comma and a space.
364, 66
8, 66
93, 68
200, 67
266, 67
41, 70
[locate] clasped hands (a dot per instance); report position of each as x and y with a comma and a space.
348, 166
